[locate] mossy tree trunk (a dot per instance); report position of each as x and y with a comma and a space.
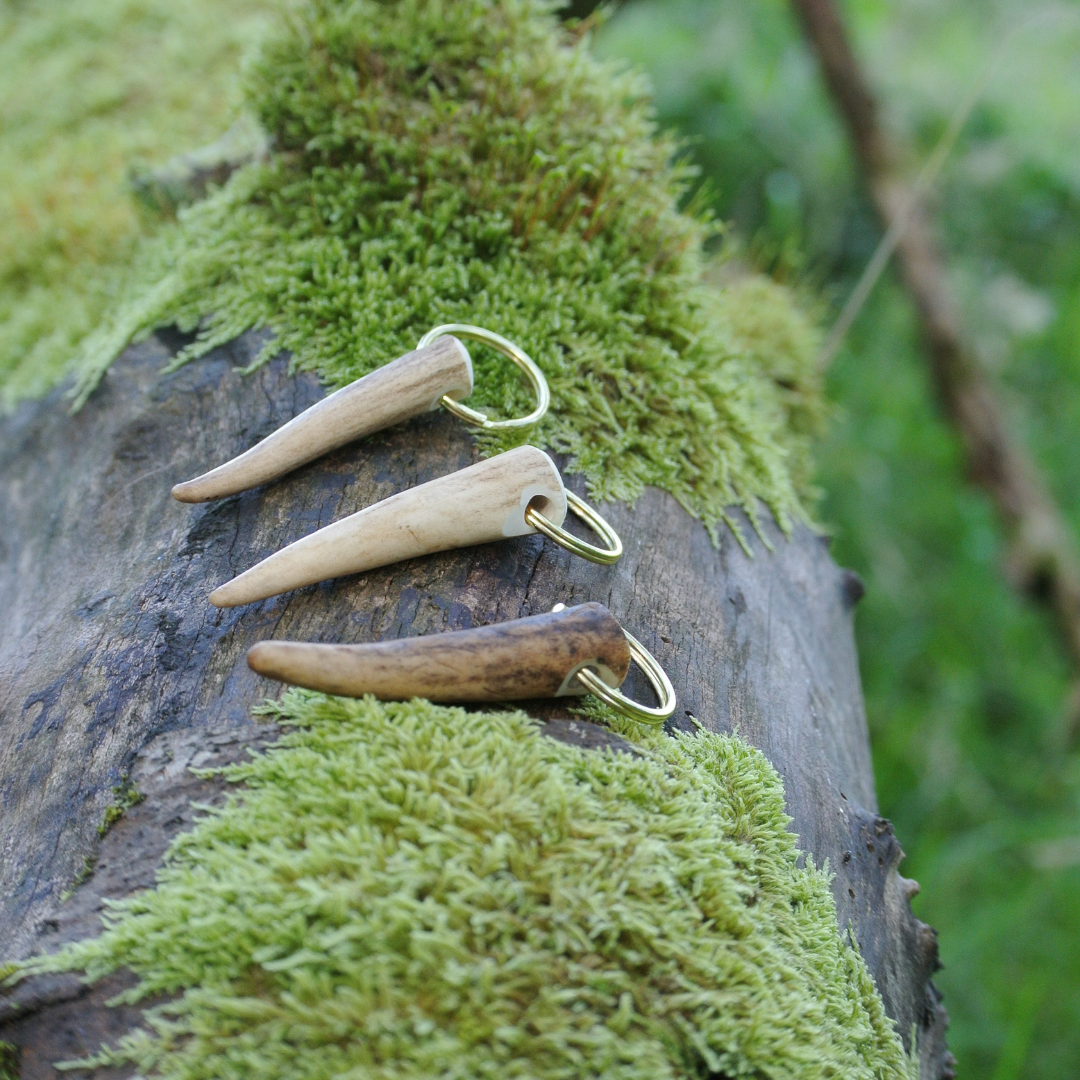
116, 674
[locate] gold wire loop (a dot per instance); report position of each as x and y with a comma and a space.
508, 349
656, 675
606, 555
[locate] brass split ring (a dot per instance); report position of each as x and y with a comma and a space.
500, 344
605, 555
657, 677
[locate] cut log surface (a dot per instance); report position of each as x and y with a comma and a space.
113, 663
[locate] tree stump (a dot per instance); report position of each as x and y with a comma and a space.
115, 670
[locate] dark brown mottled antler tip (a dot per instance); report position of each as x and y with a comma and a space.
536, 657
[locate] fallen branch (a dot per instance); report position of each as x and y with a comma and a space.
1041, 558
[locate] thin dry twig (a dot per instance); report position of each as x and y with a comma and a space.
1041, 557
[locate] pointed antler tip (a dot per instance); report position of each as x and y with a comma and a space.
220, 597
187, 492
260, 657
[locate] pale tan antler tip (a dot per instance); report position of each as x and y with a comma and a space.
187, 492
220, 596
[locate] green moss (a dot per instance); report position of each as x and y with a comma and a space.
9, 1061
125, 796
434, 161
776, 333
89, 90
412, 890
84, 873
472, 161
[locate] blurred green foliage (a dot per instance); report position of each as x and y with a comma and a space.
89, 94
966, 685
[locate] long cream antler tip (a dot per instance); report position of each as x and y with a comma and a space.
188, 492
220, 597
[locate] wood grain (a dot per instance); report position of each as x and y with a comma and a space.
534, 657
477, 505
398, 391
107, 641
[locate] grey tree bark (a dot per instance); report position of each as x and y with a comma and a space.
114, 669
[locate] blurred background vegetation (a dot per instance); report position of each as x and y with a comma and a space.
967, 688
88, 100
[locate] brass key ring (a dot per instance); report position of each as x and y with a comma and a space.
611, 554
657, 677
511, 351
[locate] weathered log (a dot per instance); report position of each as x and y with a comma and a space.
111, 659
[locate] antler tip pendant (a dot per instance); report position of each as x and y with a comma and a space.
413, 384
568, 651
575, 650
487, 501
533, 657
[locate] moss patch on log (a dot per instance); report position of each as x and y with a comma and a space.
472, 161
9, 1061
409, 890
